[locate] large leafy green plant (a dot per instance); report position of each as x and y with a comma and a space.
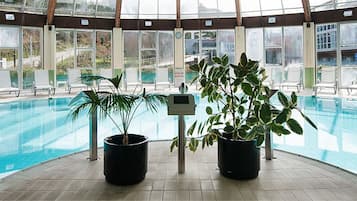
112, 102
240, 104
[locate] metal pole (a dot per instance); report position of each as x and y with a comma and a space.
181, 145
269, 155
93, 140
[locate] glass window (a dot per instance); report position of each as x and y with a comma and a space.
9, 37
326, 44
209, 39
192, 52
250, 8
64, 7
319, 5
226, 8
84, 58
293, 45
106, 8
226, 44
11, 5
271, 7
166, 52
131, 49
273, 37
273, 45
167, 9
130, 9
64, 53
189, 9
36, 6
148, 39
85, 7
346, 3
9, 58
292, 6
348, 43
84, 39
103, 49
31, 54
148, 9
9, 44
254, 44
207, 8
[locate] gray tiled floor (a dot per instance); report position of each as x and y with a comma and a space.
289, 177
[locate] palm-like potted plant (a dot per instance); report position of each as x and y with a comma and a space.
239, 114
125, 155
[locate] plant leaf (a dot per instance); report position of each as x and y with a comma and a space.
294, 126
243, 59
208, 110
247, 89
283, 99
279, 129
283, 116
265, 113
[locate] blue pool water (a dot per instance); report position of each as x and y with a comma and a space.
35, 131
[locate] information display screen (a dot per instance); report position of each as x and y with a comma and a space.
181, 100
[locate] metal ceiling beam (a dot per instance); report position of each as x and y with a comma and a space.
178, 14
239, 17
117, 14
307, 10
51, 11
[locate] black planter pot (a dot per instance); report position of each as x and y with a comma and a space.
125, 164
238, 159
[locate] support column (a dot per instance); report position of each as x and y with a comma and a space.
179, 68
49, 51
309, 54
117, 51
239, 42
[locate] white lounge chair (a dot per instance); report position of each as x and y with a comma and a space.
132, 78
328, 80
293, 78
74, 80
162, 77
268, 81
42, 82
5, 83
107, 73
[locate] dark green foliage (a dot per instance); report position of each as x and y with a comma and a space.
109, 102
243, 106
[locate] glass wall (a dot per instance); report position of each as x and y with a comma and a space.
65, 53
207, 44
103, 49
85, 49
9, 51
31, 54
348, 47
277, 49
326, 48
147, 51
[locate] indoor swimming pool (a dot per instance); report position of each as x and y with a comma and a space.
34, 131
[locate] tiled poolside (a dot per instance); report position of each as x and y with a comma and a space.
288, 177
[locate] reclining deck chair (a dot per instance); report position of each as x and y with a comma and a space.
74, 80
42, 82
293, 78
5, 83
162, 77
328, 80
107, 73
132, 78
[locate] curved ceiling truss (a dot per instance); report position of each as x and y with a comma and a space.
172, 9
